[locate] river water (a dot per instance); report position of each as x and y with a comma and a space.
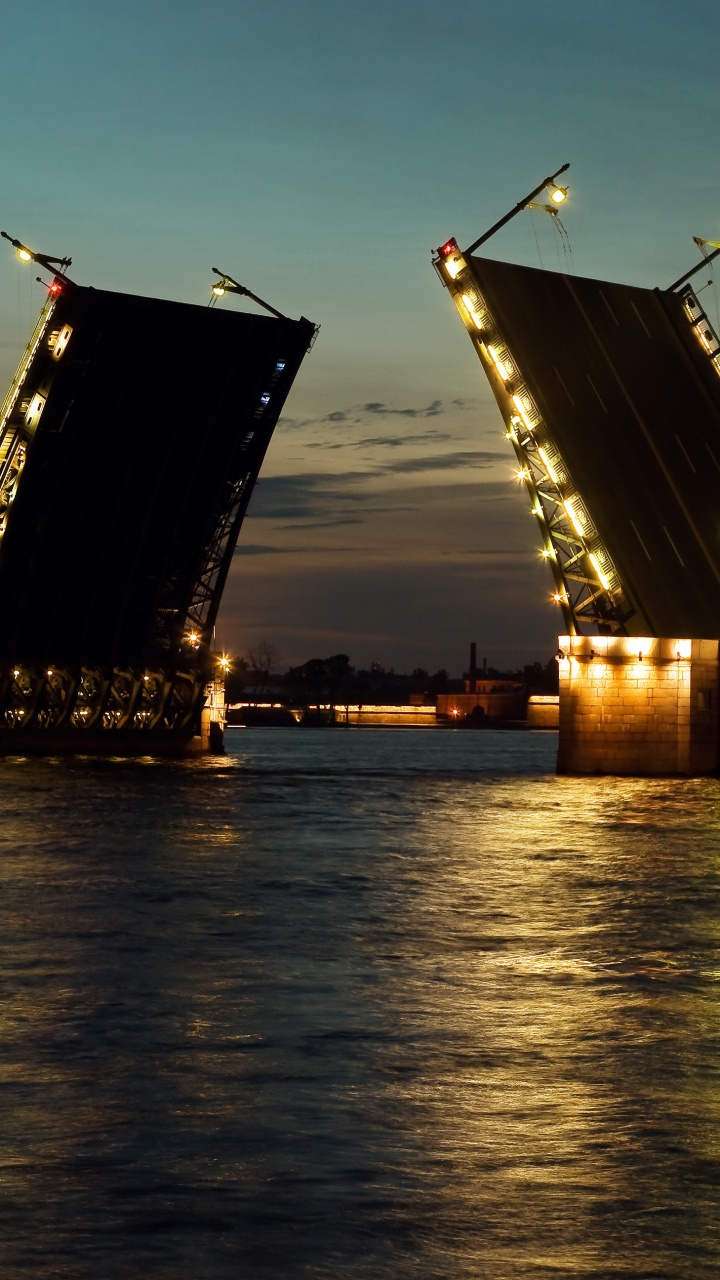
358, 1003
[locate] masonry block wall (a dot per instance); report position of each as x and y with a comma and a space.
634, 705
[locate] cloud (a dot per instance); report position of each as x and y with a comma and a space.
263, 549
460, 459
391, 442
343, 497
394, 442
384, 410
304, 496
256, 549
324, 524
355, 414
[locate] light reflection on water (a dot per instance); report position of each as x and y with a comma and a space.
358, 1003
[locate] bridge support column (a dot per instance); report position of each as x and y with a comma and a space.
639, 706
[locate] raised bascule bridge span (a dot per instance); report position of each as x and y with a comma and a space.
130, 441
610, 396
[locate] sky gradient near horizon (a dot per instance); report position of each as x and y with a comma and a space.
317, 151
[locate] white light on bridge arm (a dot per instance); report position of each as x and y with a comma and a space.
35, 408
61, 341
454, 265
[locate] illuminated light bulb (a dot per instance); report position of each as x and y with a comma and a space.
219, 290
454, 266
501, 368
16, 674
523, 414
467, 303
49, 672
559, 596
24, 256
224, 663
603, 578
522, 473
548, 465
193, 637
545, 553
573, 518
558, 195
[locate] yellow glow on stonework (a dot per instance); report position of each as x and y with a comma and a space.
684, 648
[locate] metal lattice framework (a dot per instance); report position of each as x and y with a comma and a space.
587, 584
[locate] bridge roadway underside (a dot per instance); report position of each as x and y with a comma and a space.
632, 402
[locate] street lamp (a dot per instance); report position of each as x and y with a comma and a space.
557, 195
56, 266
226, 284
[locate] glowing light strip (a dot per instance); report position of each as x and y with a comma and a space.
468, 305
603, 578
519, 406
548, 465
454, 266
573, 518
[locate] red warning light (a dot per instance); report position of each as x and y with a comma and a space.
55, 287
446, 249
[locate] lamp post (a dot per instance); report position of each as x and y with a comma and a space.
226, 284
557, 195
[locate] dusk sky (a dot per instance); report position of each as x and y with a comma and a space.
317, 152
